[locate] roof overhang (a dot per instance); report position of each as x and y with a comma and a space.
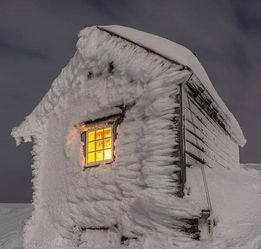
178, 54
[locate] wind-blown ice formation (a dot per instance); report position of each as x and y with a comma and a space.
130, 203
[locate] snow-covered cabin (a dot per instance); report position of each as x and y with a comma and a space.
123, 142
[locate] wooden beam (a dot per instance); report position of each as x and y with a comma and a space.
196, 157
182, 141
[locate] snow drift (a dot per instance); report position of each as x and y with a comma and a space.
237, 205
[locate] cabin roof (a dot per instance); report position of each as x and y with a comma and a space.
179, 54
162, 47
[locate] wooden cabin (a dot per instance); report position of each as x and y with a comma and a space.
123, 143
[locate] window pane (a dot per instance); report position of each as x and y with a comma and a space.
107, 154
99, 134
107, 132
99, 144
107, 143
91, 136
99, 155
91, 146
91, 157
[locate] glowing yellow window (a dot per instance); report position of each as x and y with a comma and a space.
107, 143
98, 144
91, 135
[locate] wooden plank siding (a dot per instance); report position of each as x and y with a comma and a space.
207, 138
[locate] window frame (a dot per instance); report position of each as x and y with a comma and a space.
88, 126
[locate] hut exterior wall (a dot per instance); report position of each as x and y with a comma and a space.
105, 73
162, 134
206, 142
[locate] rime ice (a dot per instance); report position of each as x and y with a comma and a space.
136, 201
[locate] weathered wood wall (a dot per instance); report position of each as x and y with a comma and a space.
207, 138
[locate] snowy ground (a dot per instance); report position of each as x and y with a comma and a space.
236, 201
12, 218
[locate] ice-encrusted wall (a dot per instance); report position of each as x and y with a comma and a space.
133, 198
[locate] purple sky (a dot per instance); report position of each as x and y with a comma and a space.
37, 39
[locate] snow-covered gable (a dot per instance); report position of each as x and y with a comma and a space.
167, 49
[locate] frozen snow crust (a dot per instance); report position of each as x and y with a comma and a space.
12, 220
133, 197
236, 200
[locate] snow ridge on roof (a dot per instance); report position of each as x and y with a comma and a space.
181, 55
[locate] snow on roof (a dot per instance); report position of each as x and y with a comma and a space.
162, 47
181, 55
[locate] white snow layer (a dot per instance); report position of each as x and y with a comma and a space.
177, 53
12, 221
236, 196
136, 191
143, 173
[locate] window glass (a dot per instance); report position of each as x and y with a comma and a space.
91, 135
99, 145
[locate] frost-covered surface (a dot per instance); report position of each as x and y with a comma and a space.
134, 196
168, 49
236, 197
182, 55
236, 200
136, 192
12, 221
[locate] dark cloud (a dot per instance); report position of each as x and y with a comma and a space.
37, 38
